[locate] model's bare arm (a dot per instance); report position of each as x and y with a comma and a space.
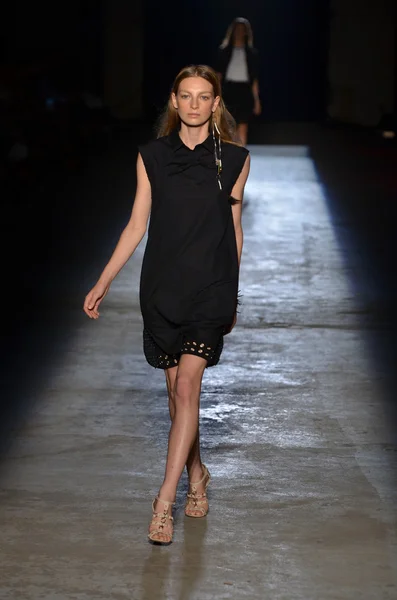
257, 102
129, 239
238, 193
135, 228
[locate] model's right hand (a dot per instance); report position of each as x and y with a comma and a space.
93, 300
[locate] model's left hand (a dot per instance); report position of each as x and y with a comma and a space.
257, 107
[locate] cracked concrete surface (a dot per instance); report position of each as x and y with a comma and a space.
294, 431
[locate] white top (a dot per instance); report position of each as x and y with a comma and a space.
237, 69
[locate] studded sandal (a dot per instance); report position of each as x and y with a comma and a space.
161, 527
197, 504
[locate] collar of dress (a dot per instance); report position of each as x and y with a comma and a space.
177, 143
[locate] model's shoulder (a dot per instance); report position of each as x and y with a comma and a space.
234, 149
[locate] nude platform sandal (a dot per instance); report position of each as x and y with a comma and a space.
197, 504
163, 524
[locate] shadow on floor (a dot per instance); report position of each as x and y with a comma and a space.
55, 239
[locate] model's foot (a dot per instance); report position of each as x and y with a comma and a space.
161, 527
197, 501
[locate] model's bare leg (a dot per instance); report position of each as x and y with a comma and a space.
193, 463
185, 403
170, 376
184, 387
242, 132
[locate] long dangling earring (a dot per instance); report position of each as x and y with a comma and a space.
217, 151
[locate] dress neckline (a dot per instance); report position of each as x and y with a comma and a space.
177, 142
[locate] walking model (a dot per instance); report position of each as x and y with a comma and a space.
190, 181
237, 67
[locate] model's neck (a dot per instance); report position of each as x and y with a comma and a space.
191, 136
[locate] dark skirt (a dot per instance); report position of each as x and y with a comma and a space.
239, 100
158, 358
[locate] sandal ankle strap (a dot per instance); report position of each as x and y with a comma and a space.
166, 503
206, 474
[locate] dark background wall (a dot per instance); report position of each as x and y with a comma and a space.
123, 33
68, 35
317, 57
362, 60
291, 38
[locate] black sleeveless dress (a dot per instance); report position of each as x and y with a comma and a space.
189, 278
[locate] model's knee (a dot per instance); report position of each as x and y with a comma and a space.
185, 391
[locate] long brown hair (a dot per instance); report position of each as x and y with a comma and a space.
249, 36
169, 120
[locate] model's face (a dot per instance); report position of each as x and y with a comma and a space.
195, 101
